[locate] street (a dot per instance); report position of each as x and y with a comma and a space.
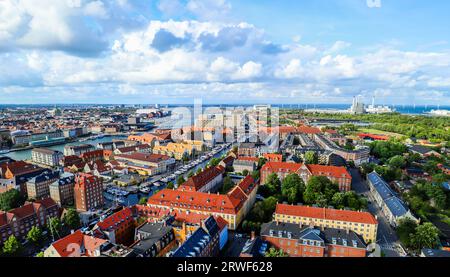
386, 236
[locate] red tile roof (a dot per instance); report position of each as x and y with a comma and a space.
273, 157
65, 246
372, 136
308, 130
192, 200
251, 159
195, 183
326, 170
3, 219
115, 221
281, 167
324, 213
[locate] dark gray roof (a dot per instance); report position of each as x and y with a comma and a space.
394, 204
194, 245
152, 233
255, 247
420, 149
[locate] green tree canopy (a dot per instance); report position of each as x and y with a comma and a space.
273, 184
274, 253
143, 201
35, 235
54, 226
12, 246
292, 188
10, 199
72, 219
311, 157
180, 180
227, 185
320, 191
397, 162
405, 231
426, 236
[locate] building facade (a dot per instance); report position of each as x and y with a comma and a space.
362, 223
46, 156
88, 192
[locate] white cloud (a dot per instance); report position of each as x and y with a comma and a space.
96, 9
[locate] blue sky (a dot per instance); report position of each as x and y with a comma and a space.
224, 51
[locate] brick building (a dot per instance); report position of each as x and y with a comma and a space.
88, 192
306, 241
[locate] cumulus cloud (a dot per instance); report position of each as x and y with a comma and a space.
95, 48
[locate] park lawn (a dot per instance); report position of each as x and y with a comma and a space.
378, 132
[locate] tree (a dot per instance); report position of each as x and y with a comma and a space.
35, 235
273, 253
245, 172
261, 162
10, 199
170, 185
320, 191
143, 201
273, 184
199, 170
40, 255
311, 157
256, 175
227, 184
12, 246
72, 219
426, 236
397, 162
214, 162
292, 188
54, 226
405, 231
190, 174
180, 180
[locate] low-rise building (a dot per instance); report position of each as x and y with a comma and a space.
391, 205
362, 223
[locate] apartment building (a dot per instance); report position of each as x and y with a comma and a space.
209, 180
39, 187
233, 207
336, 174
88, 192
19, 221
362, 223
118, 228
46, 156
304, 241
62, 190
77, 150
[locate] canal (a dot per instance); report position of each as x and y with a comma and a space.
26, 154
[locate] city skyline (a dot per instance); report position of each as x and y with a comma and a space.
224, 52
